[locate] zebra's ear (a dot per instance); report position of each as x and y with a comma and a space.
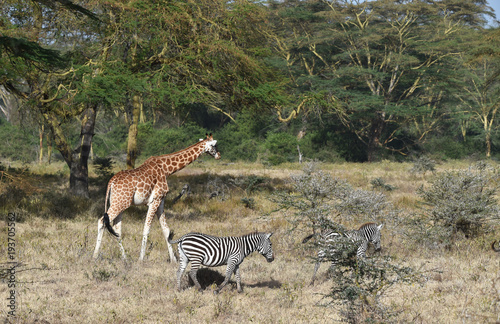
380, 226
269, 235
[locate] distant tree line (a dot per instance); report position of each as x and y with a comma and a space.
339, 80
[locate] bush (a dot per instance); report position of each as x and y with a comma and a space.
281, 147
460, 203
358, 285
423, 164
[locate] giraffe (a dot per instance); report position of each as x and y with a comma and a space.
147, 185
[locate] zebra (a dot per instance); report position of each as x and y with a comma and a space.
213, 251
367, 233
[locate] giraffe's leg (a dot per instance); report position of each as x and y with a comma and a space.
100, 232
118, 229
153, 207
166, 230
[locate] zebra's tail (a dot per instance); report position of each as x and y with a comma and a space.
307, 238
170, 238
493, 246
108, 225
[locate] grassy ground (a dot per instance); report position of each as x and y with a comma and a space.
58, 281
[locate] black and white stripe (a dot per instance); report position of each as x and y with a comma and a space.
329, 242
213, 251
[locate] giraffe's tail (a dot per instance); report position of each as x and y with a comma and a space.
108, 225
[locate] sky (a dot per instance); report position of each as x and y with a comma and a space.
495, 4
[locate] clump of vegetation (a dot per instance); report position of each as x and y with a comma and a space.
379, 183
460, 203
103, 166
248, 202
422, 165
311, 200
358, 285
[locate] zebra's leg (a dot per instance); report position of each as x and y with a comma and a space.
361, 253
231, 267
183, 262
195, 264
316, 268
238, 278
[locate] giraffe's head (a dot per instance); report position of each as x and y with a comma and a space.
211, 147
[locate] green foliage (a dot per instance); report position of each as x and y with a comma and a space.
242, 140
18, 143
103, 166
32, 52
281, 147
152, 141
449, 148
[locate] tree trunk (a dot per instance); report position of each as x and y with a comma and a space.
40, 134
49, 147
77, 159
377, 126
488, 144
79, 171
132, 132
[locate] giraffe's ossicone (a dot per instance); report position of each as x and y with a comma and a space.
147, 185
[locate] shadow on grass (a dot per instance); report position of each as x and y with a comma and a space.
208, 277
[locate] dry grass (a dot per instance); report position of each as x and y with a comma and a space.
59, 282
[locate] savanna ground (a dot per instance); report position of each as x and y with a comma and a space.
58, 281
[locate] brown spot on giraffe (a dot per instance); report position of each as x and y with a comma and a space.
147, 185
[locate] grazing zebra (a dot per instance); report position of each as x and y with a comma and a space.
213, 251
367, 233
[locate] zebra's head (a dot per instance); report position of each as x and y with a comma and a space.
266, 248
375, 238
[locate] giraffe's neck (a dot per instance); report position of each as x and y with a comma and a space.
177, 161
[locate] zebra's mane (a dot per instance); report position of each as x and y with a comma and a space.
366, 224
253, 233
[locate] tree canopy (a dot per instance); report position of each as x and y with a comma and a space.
353, 80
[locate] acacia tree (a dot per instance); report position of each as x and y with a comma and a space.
480, 93
172, 56
385, 65
47, 81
